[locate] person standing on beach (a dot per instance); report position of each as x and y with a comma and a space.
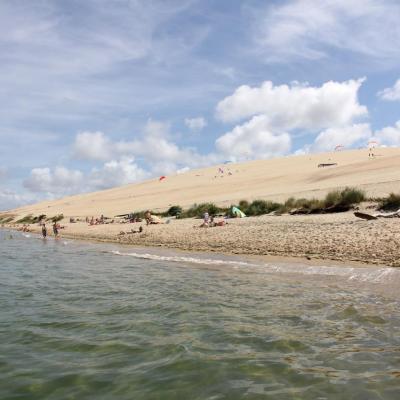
44, 231
55, 230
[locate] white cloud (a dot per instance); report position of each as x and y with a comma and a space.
196, 124
296, 106
116, 173
346, 136
389, 135
253, 139
61, 181
309, 29
10, 199
392, 93
93, 146
154, 148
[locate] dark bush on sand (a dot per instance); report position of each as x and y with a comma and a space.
174, 211
390, 203
198, 210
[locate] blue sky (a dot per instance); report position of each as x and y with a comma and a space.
101, 93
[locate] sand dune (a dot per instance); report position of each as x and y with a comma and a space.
275, 179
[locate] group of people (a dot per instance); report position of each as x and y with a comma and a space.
209, 222
56, 228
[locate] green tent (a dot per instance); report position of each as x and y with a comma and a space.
238, 213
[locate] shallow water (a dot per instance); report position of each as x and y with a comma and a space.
93, 321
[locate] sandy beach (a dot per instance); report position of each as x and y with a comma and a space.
340, 237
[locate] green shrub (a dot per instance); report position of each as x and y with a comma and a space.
6, 218
28, 219
243, 205
174, 211
332, 198
260, 207
198, 210
390, 203
350, 196
56, 218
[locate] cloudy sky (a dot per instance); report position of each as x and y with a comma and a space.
101, 93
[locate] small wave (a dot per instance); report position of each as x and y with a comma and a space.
192, 260
356, 274
26, 235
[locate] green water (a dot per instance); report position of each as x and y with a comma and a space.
79, 322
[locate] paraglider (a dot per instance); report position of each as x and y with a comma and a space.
339, 147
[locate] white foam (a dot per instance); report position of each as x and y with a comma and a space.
358, 274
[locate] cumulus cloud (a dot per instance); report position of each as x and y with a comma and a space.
116, 173
295, 106
308, 29
253, 139
61, 181
196, 124
10, 199
392, 93
346, 136
92, 146
154, 147
389, 135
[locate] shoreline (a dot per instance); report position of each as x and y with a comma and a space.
330, 238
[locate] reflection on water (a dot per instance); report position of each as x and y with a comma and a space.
79, 321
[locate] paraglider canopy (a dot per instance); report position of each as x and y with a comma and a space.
162, 177
372, 143
339, 147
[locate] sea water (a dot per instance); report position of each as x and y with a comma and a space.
96, 321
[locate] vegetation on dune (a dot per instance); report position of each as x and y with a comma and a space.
390, 203
28, 219
174, 211
56, 218
6, 218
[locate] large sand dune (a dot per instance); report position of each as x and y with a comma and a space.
275, 179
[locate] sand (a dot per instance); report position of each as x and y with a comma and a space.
340, 237
275, 179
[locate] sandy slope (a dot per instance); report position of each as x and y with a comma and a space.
275, 179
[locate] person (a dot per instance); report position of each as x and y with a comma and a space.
44, 231
55, 229
206, 219
151, 219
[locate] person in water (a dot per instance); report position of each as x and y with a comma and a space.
44, 231
55, 229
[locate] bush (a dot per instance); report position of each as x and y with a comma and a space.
6, 218
174, 211
199, 210
28, 219
390, 203
350, 196
56, 218
260, 207
332, 198
243, 205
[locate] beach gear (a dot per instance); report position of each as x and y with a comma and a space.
238, 213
